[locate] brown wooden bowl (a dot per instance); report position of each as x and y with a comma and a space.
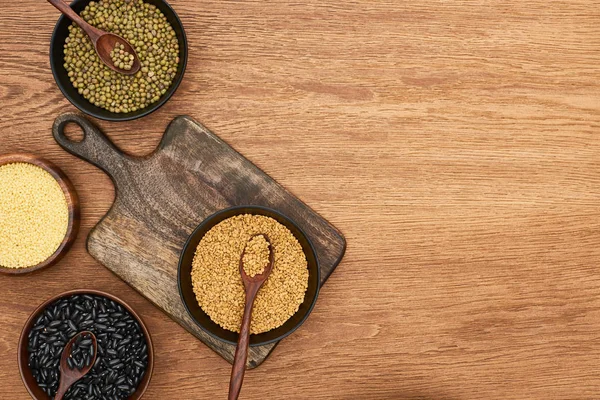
23, 356
72, 205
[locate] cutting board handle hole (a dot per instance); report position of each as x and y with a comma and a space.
74, 132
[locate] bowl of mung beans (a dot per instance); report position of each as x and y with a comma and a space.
210, 284
125, 355
154, 30
39, 213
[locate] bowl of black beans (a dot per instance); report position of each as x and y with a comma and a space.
124, 354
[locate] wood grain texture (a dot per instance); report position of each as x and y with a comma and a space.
162, 197
454, 143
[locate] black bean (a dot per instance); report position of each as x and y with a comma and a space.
43, 359
72, 325
114, 362
49, 363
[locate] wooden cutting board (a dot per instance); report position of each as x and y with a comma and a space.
162, 197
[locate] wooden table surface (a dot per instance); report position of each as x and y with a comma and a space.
456, 144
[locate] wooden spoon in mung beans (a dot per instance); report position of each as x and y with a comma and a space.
103, 42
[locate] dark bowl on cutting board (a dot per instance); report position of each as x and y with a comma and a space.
57, 61
23, 356
203, 320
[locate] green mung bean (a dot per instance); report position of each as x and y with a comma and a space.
121, 58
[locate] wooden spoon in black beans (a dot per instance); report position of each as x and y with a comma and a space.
78, 358
103, 42
251, 286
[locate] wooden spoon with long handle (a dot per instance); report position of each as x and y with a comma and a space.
68, 376
104, 42
252, 286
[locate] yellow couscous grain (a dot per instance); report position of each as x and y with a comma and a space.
33, 215
218, 284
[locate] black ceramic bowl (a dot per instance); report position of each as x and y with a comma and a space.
203, 320
57, 42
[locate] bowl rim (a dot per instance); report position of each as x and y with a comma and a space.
28, 324
73, 208
209, 220
118, 117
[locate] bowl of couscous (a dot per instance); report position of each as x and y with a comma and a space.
39, 213
210, 283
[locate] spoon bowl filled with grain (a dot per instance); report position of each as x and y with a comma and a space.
211, 286
39, 213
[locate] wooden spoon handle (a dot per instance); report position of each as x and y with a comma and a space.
241, 352
64, 8
60, 392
